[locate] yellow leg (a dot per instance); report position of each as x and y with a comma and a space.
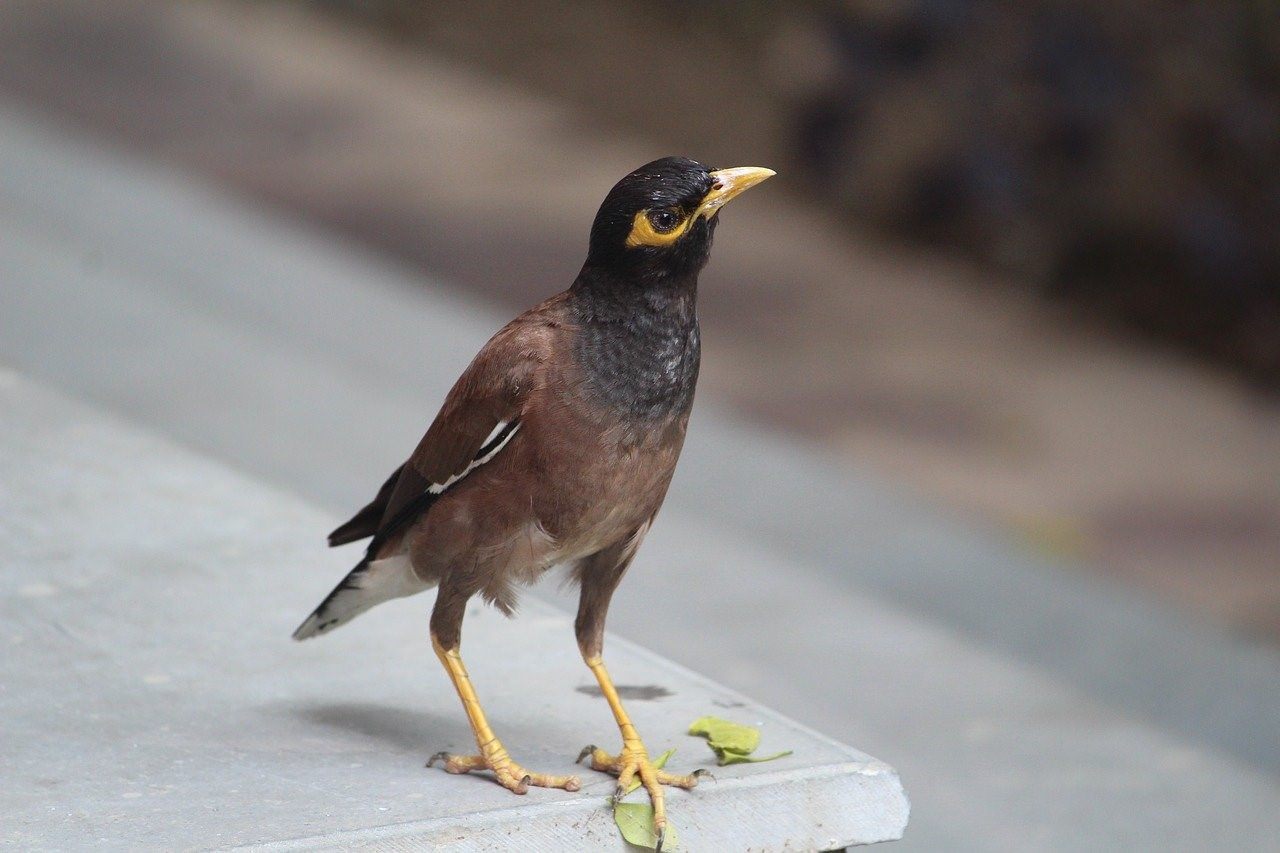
493, 756
633, 760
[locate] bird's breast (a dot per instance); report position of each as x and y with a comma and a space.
611, 473
643, 372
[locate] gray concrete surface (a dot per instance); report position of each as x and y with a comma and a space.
1025, 708
152, 697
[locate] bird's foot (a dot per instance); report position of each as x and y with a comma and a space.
508, 774
632, 764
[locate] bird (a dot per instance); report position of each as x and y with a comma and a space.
555, 447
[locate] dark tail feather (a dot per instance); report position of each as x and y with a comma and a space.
362, 525
365, 522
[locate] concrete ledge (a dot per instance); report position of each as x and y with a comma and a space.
152, 698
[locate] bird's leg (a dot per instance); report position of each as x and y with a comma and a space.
598, 576
633, 760
493, 755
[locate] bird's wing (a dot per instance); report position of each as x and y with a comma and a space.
480, 415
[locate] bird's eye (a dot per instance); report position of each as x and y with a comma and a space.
663, 220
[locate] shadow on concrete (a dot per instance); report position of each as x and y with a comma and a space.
406, 730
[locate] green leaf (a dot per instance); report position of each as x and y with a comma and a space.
659, 763
732, 742
727, 736
635, 821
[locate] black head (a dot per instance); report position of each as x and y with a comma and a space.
658, 221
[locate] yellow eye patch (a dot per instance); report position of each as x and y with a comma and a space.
645, 233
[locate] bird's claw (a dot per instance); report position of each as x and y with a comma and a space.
702, 772
586, 751
659, 837
508, 774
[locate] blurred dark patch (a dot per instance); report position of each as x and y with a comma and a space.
1125, 157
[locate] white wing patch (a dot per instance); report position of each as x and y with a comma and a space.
498, 438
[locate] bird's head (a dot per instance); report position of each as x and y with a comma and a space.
658, 221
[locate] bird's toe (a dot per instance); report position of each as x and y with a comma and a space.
684, 781
506, 772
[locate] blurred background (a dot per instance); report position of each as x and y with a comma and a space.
1019, 269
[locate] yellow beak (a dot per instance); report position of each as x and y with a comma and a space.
730, 183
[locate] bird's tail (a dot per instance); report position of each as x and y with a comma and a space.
369, 583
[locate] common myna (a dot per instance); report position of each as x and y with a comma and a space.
556, 445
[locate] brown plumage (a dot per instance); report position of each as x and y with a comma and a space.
555, 446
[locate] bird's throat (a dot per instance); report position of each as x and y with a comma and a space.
639, 347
